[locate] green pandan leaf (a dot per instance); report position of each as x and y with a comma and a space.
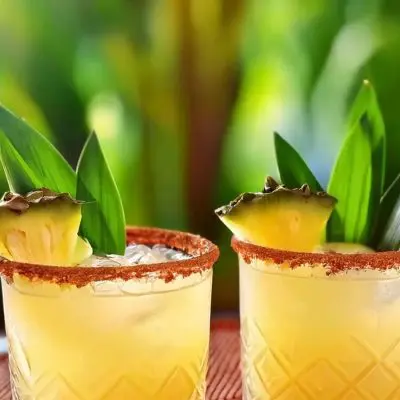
365, 116
21, 179
366, 103
365, 109
293, 170
43, 159
103, 220
389, 218
351, 183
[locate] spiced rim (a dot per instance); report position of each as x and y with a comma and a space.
335, 262
204, 254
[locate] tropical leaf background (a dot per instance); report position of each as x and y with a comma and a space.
185, 95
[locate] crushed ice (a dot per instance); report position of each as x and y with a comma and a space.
136, 254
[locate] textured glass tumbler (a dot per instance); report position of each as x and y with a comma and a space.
319, 326
111, 333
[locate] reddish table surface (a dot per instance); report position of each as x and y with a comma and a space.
224, 381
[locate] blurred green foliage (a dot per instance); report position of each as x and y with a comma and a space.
185, 94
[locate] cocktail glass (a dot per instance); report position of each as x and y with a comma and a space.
319, 326
111, 333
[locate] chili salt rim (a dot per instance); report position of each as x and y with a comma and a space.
204, 253
334, 262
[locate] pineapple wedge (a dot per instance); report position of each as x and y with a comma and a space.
278, 217
42, 227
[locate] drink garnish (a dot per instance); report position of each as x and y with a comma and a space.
42, 227
279, 217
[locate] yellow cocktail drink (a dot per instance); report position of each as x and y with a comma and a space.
111, 333
319, 326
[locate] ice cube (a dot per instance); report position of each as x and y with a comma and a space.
134, 259
99, 261
136, 254
176, 255
160, 248
151, 258
134, 249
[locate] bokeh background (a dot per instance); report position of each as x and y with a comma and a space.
185, 94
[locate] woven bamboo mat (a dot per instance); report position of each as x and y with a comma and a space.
224, 371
